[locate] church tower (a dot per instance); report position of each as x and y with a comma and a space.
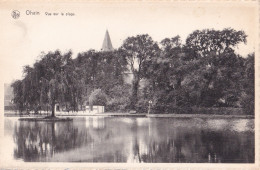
107, 44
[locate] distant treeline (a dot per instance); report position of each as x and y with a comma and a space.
205, 71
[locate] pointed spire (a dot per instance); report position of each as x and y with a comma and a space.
107, 44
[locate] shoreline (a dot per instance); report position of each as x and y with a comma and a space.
138, 115
199, 116
45, 119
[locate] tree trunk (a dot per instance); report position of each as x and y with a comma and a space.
53, 110
134, 97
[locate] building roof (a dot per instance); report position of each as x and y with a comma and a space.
107, 44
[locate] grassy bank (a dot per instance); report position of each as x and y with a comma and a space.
218, 110
200, 116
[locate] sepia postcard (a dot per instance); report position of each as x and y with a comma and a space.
129, 84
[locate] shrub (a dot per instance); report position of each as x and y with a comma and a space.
98, 97
119, 98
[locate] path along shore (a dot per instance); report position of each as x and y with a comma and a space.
108, 114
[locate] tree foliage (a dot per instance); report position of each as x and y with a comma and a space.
138, 51
206, 41
205, 71
97, 97
47, 82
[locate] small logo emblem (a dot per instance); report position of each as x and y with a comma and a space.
15, 14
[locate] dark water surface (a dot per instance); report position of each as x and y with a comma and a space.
120, 139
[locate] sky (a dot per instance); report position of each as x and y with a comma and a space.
23, 39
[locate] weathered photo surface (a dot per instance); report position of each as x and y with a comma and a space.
133, 82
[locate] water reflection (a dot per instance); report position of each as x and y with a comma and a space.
114, 139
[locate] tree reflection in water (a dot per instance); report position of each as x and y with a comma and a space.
38, 141
99, 139
188, 141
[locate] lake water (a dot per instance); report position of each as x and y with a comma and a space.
124, 139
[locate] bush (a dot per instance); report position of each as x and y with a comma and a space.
142, 105
119, 98
98, 97
248, 103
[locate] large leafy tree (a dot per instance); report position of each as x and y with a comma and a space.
55, 77
166, 74
51, 80
206, 41
220, 68
139, 51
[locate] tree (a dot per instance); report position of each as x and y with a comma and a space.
55, 77
220, 68
18, 95
139, 51
47, 82
248, 82
206, 41
165, 74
